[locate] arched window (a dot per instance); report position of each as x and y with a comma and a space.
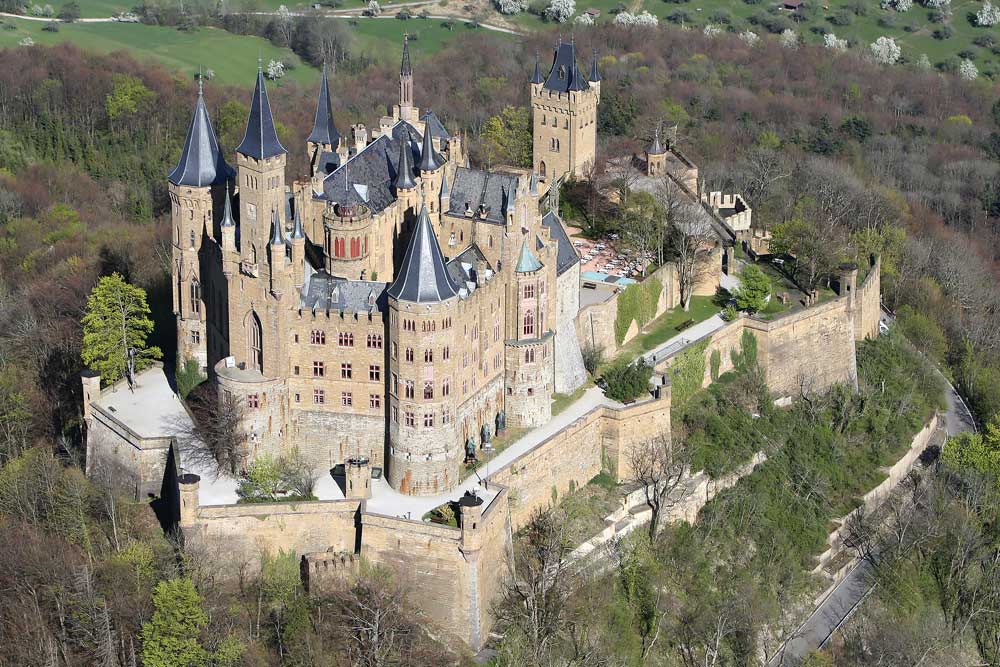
529, 324
428, 356
192, 238
428, 390
541, 169
195, 297
255, 338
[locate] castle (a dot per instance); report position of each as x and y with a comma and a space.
397, 305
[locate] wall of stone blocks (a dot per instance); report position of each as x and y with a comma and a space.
491, 566
867, 303
246, 531
124, 458
569, 370
328, 438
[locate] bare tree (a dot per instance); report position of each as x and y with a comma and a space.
216, 437
691, 241
660, 469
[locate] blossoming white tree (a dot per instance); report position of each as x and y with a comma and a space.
560, 11
750, 37
968, 70
831, 41
885, 50
789, 39
923, 62
712, 30
374, 9
938, 4
584, 19
511, 6
275, 69
989, 15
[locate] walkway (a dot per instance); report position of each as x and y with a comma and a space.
386, 500
674, 345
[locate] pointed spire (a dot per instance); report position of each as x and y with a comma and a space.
201, 162
277, 238
324, 131
656, 148
423, 276
404, 67
527, 262
564, 76
595, 75
227, 211
537, 76
404, 167
297, 231
261, 138
445, 190
429, 159
533, 183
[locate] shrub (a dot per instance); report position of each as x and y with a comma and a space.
944, 32
754, 290
842, 18
593, 357
627, 382
265, 479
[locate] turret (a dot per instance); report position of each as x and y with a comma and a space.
471, 507
298, 251
444, 201
430, 174
276, 253
324, 136
230, 257
197, 188
656, 156
595, 75
189, 485
405, 110
261, 162
357, 477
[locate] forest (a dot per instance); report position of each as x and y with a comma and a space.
840, 156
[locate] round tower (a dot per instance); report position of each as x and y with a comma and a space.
347, 229
358, 477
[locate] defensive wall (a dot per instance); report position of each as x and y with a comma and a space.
808, 349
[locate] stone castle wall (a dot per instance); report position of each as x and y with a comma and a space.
569, 370
120, 456
868, 303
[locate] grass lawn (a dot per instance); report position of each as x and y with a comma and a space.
383, 37
562, 401
665, 326
232, 57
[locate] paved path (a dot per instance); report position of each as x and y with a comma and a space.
851, 591
385, 500
680, 341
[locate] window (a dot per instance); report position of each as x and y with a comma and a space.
446, 353
298, 397
374, 401
374, 373
395, 415
445, 387
345, 372
256, 343
192, 236
196, 337
295, 370
529, 355
428, 419
346, 399
446, 416
428, 356
529, 291
408, 387
195, 298
409, 325
543, 119
319, 396
375, 341
317, 337
395, 350
529, 324
319, 369
395, 384
428, 390
345, 339
253, 401
408, 418
409, 354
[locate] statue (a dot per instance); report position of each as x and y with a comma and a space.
470, 450
486, 435
501, 422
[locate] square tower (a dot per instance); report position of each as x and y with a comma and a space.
564, 111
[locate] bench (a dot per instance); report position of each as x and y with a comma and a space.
685, 324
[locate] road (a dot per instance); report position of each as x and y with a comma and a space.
845, 598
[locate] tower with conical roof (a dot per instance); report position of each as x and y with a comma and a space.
260, 161
324, 137
197, 187
425, 452
564, 110
431, 168
656, 156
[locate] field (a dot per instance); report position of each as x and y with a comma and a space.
233, 58
912, 30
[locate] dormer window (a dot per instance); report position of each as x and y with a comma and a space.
562, 71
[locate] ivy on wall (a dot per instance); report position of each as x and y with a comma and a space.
637, 303
687, 373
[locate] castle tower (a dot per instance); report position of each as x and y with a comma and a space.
298, 243
431, 175
357, 478
564, 110
405, 109
197, 187
260, 160
656, 156
528, 353
324, 137
424, 453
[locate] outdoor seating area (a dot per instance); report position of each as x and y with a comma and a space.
603, 257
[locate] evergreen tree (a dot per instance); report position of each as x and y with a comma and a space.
754, 290
117, 321
171, 638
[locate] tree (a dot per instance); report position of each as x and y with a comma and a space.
755, 288
989, 15
511, 6
976, 451
172, 637
70, 12
507, 137
128, 96
660, 469
814, 238
968, 70
691, 242
642, 226
627, 382
560, 10
115, 328
376, 626
885, 51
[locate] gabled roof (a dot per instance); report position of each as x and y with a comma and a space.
527, 262
261, 138
423, 277
429, 159
566, 255
434, 125
564, 76
324, 131
491, 190
201, 162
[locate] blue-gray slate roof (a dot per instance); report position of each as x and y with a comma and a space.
462, 267
566, 255
423, 276
324, 131
492, 190
261, 139
433, 124
564, 76
325, 292
201, 162
429, 159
